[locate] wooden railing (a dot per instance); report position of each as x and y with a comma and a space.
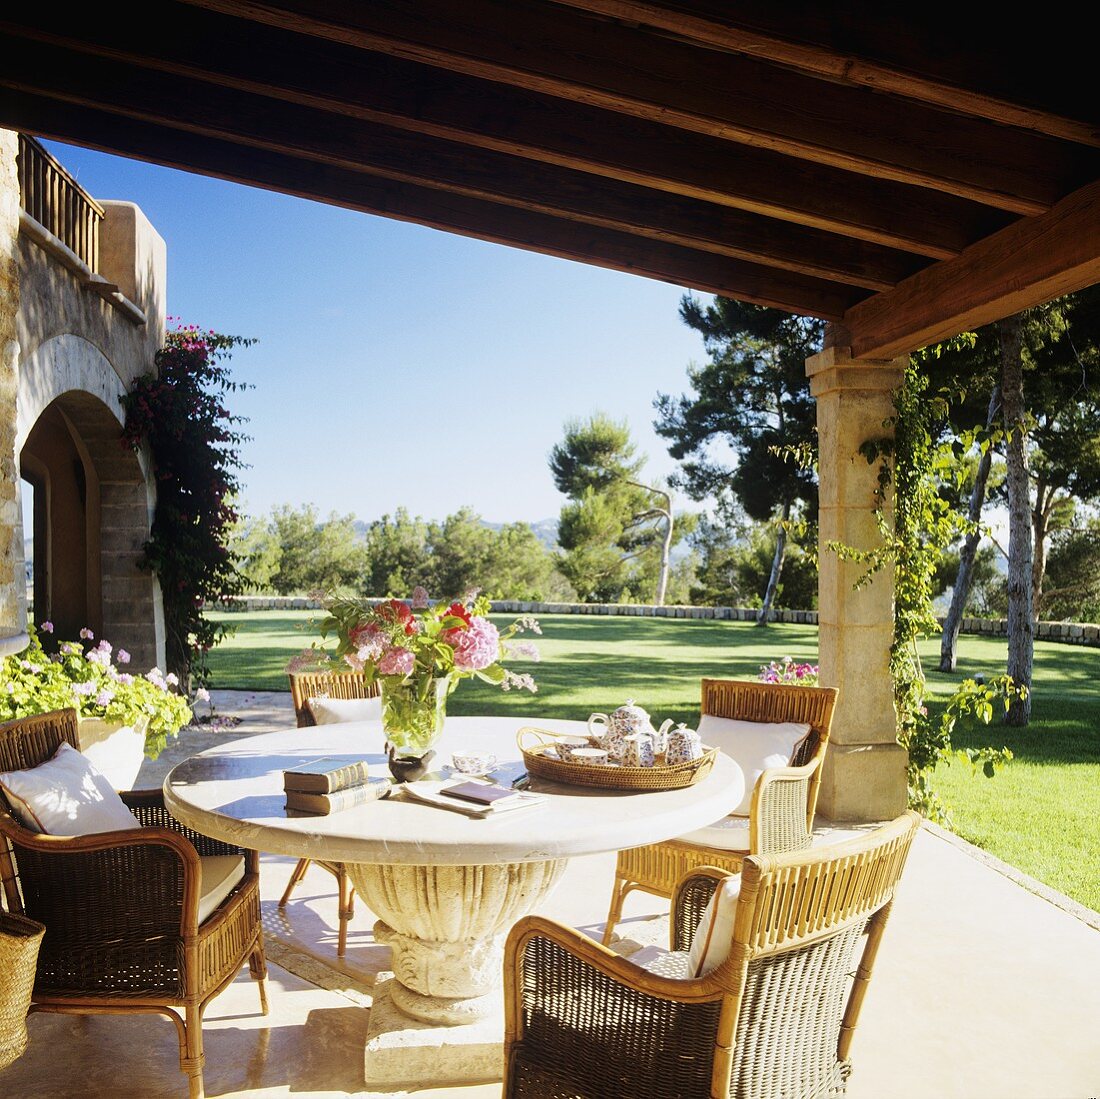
57, 202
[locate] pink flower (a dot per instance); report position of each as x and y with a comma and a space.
46, 627
477, 647
353, 661
122, 656
84, 689
396, 661
419, 598
369, 641
87, 634
104, 698
202, 695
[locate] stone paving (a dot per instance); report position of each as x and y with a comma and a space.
984, 989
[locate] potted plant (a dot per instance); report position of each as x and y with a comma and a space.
123, 716
420, 651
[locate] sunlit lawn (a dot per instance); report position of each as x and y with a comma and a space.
1040, 813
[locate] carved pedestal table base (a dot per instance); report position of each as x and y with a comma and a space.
446, 927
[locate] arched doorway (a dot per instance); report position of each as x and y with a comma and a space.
91, 503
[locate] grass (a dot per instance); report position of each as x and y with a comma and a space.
1038, 814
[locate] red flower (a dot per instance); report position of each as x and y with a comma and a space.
396, 612
457, 610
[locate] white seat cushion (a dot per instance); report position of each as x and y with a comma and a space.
333, 711
220, 876
664, 963
66, 796
755, 746
714, 936
727, 834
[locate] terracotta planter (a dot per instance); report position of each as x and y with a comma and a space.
117, 751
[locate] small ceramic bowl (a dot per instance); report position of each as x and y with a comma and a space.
567, 745
473, 763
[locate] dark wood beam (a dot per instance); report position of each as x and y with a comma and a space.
826, 40
724, 95
228, 53
441, 210
307, 133
1031, 262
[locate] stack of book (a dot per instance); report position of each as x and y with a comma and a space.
330, 784
473, 799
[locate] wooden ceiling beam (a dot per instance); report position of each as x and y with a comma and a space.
725, 95
1032, 261
227, 53
788, 36
342, 142
441, 210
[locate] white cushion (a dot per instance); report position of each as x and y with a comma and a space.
754, 745
66, 796
714, 936
220, 876
332, 711
727, 834
664, 963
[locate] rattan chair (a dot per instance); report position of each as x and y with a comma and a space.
303, 687
121, 908
784, 800
776, 1019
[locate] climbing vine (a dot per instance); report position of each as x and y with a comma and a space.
179, 409
923, 526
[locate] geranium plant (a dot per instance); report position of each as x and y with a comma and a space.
91, 678
789, 671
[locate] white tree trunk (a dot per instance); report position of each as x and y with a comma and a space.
1021, 642
964, 582
666, 557
777, 568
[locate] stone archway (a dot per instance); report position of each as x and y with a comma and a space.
93, 500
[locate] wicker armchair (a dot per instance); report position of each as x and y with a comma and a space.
775, 1019
303, 687
121, 908
784, 800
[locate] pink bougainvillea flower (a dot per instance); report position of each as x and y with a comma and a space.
396, 661
477, 647
87, 634
46, 627
419, 598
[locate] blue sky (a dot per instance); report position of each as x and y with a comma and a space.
398, 365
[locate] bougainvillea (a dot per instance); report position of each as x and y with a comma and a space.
179, 410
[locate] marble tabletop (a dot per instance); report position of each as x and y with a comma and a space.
235, 793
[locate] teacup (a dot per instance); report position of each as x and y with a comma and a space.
590, 757
567, 745
473, 763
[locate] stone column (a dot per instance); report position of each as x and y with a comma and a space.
864, 773
13, 587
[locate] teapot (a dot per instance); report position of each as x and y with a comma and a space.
612, 729
683, 745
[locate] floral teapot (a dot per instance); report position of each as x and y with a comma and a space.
611, 730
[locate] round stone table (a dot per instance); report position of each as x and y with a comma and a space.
446, 887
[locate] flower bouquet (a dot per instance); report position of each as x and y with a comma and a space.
419, 651
92, 680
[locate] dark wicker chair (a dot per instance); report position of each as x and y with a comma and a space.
121, 908
775, 1019
303, 687
781, 818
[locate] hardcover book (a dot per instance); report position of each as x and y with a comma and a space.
325, 775
433, 794
351, 796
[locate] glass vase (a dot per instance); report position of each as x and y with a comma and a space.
413, 712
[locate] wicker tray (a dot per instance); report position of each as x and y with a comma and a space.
533, 744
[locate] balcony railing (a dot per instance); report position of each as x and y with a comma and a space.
58, 203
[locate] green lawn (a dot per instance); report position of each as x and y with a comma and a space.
1040, 813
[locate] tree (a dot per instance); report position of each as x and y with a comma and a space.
1073, 571
398, 554
613, 518
750, 411
313, 553
1021, 639
179, 410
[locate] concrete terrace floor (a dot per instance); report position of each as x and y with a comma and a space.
987, 985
